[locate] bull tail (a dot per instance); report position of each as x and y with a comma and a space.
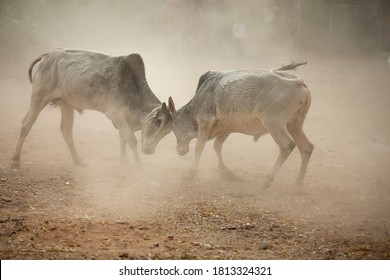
286, 76
292, 66
35, 61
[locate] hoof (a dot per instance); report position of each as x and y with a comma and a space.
226, 174
190, 175
124, 161
15, 165
138, 163
80, 163
299, 182
266, 185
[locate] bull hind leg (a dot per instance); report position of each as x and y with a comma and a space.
286, 146
67, 114
304, 145
36, 106
305, 148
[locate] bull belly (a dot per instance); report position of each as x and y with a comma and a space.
251, 127
80, 103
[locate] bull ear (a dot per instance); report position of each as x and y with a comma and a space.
171, 106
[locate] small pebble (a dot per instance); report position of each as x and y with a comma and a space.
123, 255
6, 199
264, 245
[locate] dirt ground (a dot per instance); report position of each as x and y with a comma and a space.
51, 209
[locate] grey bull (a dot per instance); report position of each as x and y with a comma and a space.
113, 85
251, 102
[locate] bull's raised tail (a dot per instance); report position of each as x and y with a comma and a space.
284, 76
292, 66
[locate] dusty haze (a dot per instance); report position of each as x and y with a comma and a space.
346, 195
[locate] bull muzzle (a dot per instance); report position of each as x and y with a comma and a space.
148, 149
182, 149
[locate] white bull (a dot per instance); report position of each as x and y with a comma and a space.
113, 85
252, 102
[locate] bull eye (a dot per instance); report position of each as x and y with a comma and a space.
158, 122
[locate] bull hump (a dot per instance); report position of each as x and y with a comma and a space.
136, 65
135, 58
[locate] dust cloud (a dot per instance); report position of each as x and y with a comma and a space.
347, 183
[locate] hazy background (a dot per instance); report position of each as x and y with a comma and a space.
169, 32
196, 27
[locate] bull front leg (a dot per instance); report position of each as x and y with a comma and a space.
119, 120
218, 150
122, 142
204, 131
223, 170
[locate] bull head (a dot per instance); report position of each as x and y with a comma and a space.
156, 125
